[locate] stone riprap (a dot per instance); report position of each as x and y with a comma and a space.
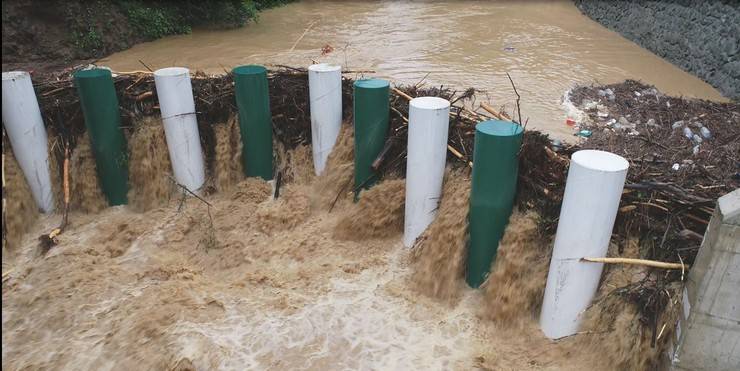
701, 37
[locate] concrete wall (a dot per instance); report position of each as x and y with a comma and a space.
709, 330
701, 37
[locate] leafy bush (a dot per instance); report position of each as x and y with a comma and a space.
88, 40
152, 22
155, 19
224, 13
92, 34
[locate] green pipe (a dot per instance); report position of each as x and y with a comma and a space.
495, 168
371, 107
255, 120
103, 121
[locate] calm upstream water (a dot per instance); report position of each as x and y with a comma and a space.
546, 47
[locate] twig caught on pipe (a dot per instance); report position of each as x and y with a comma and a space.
185, 189
492, 111
49, 240
643, 262
145, 66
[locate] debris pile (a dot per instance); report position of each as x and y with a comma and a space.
683, 155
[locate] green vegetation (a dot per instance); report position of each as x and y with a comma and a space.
89, 40
153, 23
103, 26
156, 19
84, 33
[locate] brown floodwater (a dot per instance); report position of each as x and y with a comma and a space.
546, 47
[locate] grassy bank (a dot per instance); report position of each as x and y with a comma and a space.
55, 33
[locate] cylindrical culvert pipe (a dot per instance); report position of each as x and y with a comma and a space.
255, 120
175, 95
371, 110
425, 165
325, 91
495, 169
103, 122
27, 134
590, 203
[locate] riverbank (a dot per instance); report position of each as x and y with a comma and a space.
49, 35
701, 37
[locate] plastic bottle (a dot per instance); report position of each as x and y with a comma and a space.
705, 132
584, 133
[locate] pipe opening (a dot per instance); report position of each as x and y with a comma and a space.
15, 75
92, 73
430, 103
324, 67
171, 71
600, 160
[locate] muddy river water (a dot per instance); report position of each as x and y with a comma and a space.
547, 47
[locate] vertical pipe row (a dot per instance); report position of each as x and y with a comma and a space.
27, 134
589, 209
325, 96
175, 94
495, 170
103, 121
371, 110
255, 120
592, 193
425, 165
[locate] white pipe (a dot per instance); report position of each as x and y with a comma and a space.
27, 134
590, 203
180, 125
325, 91
425, 164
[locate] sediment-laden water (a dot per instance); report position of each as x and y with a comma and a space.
546, 47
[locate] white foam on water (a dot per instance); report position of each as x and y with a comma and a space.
358, 324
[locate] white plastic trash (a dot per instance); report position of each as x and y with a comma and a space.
27, 134
705, 132
425, 164
325, 92
180, 125
592, 193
